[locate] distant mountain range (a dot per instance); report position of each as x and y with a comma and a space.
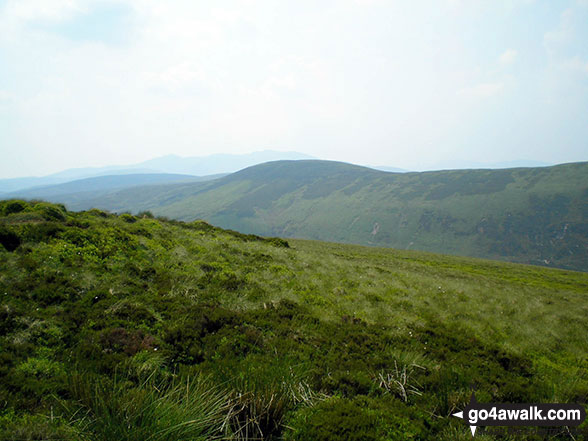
454, 164
171, 164
212, 165
81, 190
528, 215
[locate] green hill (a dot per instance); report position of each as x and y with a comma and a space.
133, 328
80, 190
528, 215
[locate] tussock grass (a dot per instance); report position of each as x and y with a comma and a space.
227, 335
191, 409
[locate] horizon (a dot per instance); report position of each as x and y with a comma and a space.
421, 86
134, 168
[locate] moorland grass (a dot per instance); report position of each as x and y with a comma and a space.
106, 319
527, 215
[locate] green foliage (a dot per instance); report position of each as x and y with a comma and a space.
50, 212
8, 239
128, 330
97, 212
40, 368
27, 427
339, 419
38, 232
129, 218
528, 215
357, 419
120, 410
12, 206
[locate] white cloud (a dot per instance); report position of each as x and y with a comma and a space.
569, 36
54, 10
508, 57
565, 44
367, 2
482, 90
174, 77
196, 77
24, 20
576, 64
557, 38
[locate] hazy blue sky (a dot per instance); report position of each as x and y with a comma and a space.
407, 83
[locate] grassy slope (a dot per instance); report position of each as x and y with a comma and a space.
533, 215
294, 336
75, 193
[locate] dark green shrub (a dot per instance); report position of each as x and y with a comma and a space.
78, 223
184, 339
357, 419
132, 313
23, 217
39, 376
50, 212
54, 288
29, 427
47, 295
13, 206
278, 242
128, 218
129, 342
348, 383
9, 239
77, 236
230, 281
97, 212
40, 232
209, 268
141, 230
336, 420
7, 319
200, 225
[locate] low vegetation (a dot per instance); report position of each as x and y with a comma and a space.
527, 215
132, 327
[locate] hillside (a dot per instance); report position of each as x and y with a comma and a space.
217, 164
134, 328
529, 215
74, 192
15, 185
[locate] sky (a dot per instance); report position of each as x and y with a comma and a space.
414, 84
